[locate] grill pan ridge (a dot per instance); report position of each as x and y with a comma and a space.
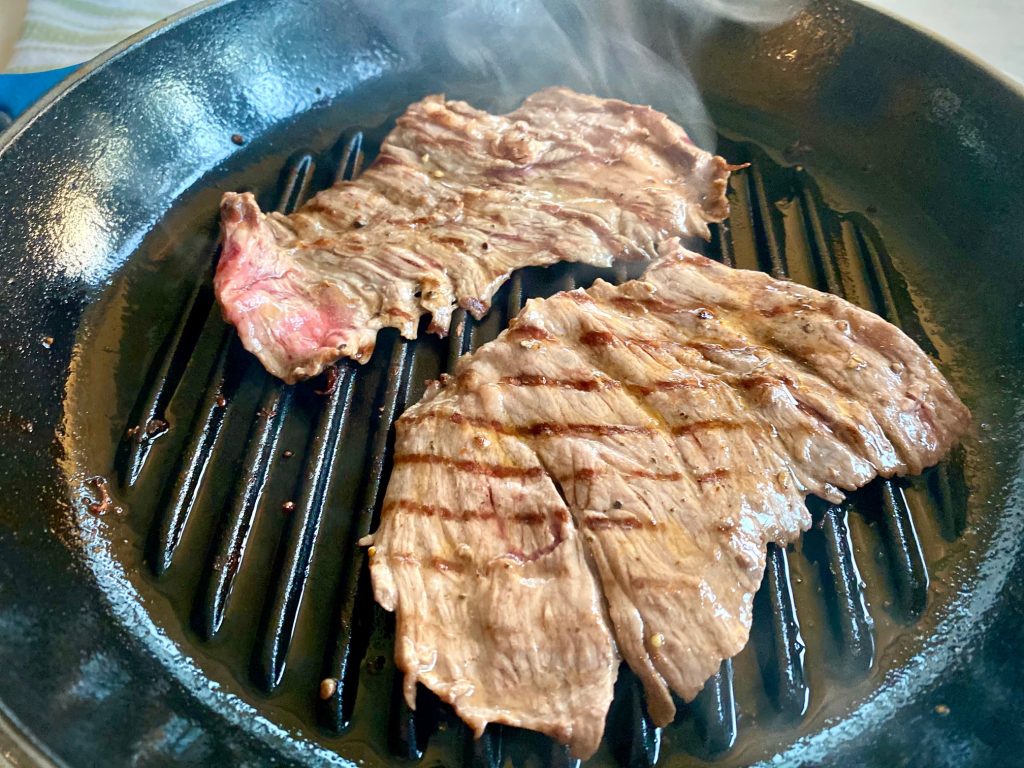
361, 637
219, 611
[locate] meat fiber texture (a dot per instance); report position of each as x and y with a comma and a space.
601, 482
455, 202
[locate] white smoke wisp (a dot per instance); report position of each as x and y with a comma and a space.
495, 52
762, 13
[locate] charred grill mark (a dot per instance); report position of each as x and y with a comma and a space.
597, 339
538, 429
385, 158
580, 297
665, 386
597, 384
580, 385
598, 523
472, 467
713, 476
760, 380
535, 517
556, 520
458, 242
706, 425
813, 413
552, 429
589, 473
844, 431
528, 332
705, 348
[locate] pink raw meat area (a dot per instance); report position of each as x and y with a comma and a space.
455, 202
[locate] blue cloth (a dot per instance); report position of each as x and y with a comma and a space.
19, 92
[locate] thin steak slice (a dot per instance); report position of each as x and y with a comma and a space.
458, 199
682, 419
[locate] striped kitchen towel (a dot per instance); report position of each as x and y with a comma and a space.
59, 33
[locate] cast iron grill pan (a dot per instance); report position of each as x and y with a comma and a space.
247, 498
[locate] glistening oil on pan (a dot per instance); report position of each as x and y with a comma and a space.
839, 616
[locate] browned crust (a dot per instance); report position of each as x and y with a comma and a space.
525, 517
472, 467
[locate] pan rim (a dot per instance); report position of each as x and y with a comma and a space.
90, 67
20, 746
1004, 77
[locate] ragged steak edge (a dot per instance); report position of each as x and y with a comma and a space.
455, 202
603, 479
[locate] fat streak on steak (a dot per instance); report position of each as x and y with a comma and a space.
458, 199
602, 481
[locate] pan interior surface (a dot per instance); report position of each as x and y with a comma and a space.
236, 527
222, 573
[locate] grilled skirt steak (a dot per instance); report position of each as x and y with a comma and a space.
458, 199
602, 481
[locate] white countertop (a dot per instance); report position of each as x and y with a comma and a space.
993, 30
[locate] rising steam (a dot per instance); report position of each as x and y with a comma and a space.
506, 49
